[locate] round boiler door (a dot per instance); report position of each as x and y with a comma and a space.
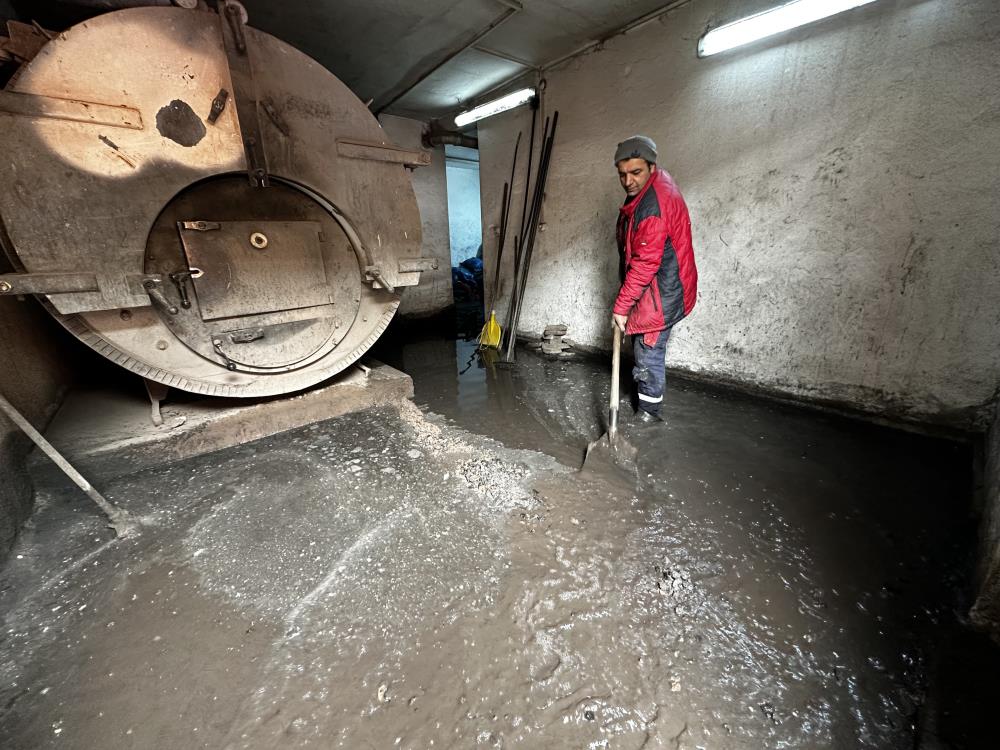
254, 279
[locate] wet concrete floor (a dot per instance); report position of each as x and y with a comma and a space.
443, 577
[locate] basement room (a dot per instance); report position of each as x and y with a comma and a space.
499, 374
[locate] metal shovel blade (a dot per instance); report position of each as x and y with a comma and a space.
610, 453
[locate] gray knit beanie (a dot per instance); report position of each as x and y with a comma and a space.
636, 147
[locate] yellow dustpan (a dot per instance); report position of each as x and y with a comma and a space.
490, 335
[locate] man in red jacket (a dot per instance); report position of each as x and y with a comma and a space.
660, 278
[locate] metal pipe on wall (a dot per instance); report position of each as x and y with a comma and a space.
451, 139
536, 70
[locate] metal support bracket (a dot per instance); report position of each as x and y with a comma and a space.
71, 110
417, 265
244, 94
157, 392
72, 283
355, 149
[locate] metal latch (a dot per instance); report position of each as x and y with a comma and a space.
201, 226
374, 273
180, 279
218, 105
152, 287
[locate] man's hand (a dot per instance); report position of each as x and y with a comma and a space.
619, 321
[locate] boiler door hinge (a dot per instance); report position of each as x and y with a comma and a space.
112, 285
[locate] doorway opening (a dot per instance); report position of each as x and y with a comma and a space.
465, 231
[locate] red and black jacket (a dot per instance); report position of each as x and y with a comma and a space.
654, 237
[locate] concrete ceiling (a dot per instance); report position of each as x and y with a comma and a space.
391, 51
380, 47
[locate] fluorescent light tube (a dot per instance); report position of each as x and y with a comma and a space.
774, 21
495, 107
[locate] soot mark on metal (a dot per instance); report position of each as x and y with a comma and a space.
178, 122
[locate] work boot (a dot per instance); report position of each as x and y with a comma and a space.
647, 417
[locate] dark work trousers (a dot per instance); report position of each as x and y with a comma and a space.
650, 371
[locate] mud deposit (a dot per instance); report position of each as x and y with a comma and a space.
772, 579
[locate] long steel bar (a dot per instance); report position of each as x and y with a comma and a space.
120, 520
528, 242
508, 194
540, 181
531, 155
519, 240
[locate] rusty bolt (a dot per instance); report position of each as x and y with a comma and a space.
161, 345
5, 287
125, 315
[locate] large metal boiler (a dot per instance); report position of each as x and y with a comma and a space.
203, 204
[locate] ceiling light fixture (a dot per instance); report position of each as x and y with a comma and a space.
770, 22
502, 104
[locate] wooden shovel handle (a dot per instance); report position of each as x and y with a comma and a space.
616, 356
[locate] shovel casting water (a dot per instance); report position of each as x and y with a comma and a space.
611, 449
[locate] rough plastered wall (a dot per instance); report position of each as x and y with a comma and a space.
33, 376
842, 180
434, 293
986, 611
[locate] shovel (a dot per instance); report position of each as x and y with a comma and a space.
611, 449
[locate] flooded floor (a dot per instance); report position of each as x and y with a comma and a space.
443, 576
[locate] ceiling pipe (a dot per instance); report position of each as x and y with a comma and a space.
394, 95
450, 139
630, 26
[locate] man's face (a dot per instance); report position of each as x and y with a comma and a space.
634, 174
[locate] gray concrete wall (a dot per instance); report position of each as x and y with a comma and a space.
434, 293
842, 180
33, 377
986, 611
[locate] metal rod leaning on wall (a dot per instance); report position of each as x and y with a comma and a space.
539, 198
504, 202
519, 240
519, 245
508, 194
120, 520
519, 255
528, 243
531, 153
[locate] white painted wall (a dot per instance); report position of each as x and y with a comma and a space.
843, 183
464, 219
433, 294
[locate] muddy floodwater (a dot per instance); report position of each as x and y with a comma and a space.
440, 575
